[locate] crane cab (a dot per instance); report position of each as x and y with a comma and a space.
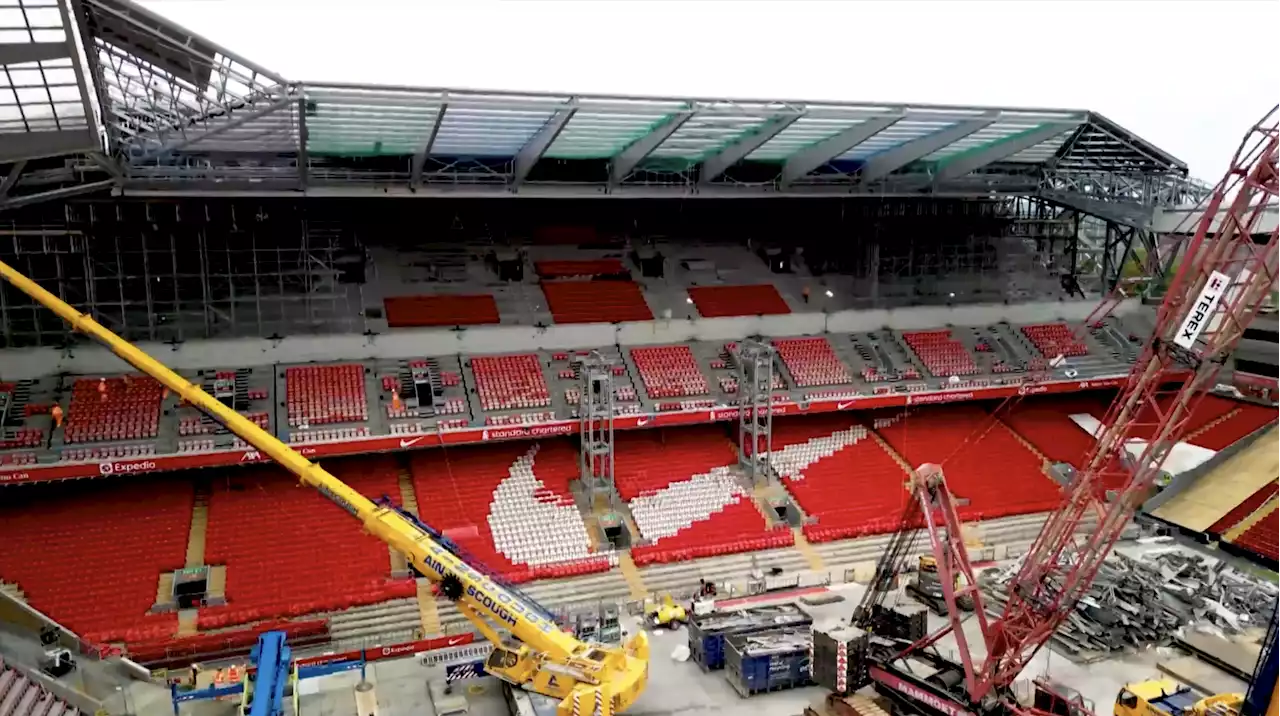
1162, 697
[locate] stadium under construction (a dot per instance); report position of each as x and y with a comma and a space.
601, 349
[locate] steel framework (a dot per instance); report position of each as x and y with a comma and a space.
146, 107
595, 415
756, 377
1229, 271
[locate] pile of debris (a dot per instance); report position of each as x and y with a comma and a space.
1146, 601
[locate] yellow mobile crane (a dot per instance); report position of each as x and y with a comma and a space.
589, 679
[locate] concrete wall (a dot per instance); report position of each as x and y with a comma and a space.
403, 343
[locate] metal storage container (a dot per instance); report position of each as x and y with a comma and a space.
707, 633
768, 660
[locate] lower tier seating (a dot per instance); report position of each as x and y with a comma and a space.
1046, 423
477, 496
941, 353
290, 551
811, 361
90, 555
839, 475
510, 382
22, 696
754, 300
1245, 508
736, 527
1055, 339
648, 460
596, 301
988, 467
669, 371
1262, 536
419, 311
1246, 418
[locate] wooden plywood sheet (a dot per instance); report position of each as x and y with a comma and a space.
1217, 493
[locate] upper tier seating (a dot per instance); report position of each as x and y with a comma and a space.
1055, 339
669, 371
123, 408
1262, 536
811, 361
290, 551
596, 301
988, 467
326, 394
90, 555
756, 300
942, 354
22, 696
839, 475
510, 382
417, 311
572, 268
1245, 508
475, 495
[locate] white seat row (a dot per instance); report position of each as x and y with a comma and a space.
529, 529
680, 504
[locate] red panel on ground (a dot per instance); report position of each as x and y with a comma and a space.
596, 301
418, 311
755, 300
580, 267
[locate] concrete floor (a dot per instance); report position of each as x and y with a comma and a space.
681, 688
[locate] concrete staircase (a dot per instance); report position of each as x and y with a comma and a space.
806, 550
408, 500
1211, 425
13, 591
902, 462
187, 622
199, 526
632, 575
1045, 462
428, 612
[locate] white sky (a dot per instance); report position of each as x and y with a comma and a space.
1187, 75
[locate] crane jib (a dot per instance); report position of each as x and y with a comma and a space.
483, 591
340, 502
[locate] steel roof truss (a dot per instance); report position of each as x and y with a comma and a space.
971, 161
629, 158
715, 164
887, 162
806, 160
537, 145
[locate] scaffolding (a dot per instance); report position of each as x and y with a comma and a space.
755, 420
595, 413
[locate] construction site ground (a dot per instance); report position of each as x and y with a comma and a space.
675, 688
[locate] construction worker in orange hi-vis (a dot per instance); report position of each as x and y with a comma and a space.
56, 412
102, 388
396, 404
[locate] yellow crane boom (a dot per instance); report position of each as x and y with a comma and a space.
539, 656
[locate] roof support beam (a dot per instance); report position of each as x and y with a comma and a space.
420, 158
806, 160
62, 193
14, 53
889, 161
14, 173
970, 161
538, 144
236, 121
629, 158
716, 164
304, 157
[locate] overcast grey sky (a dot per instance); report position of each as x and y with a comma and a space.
1189, 76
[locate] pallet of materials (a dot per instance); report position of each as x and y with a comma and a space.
840, 659
707, 632
768, 661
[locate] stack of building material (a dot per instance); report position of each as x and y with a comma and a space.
839, 659
1145, 601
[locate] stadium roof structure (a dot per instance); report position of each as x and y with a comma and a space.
146, 107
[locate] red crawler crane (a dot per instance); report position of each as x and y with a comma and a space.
1228, 270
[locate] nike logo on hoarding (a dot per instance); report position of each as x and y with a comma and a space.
455, 640
845, 405
409, 442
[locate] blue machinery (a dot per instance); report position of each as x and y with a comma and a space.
1261, 698
264, 687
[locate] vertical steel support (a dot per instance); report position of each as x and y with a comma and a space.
595, 413
755, 419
